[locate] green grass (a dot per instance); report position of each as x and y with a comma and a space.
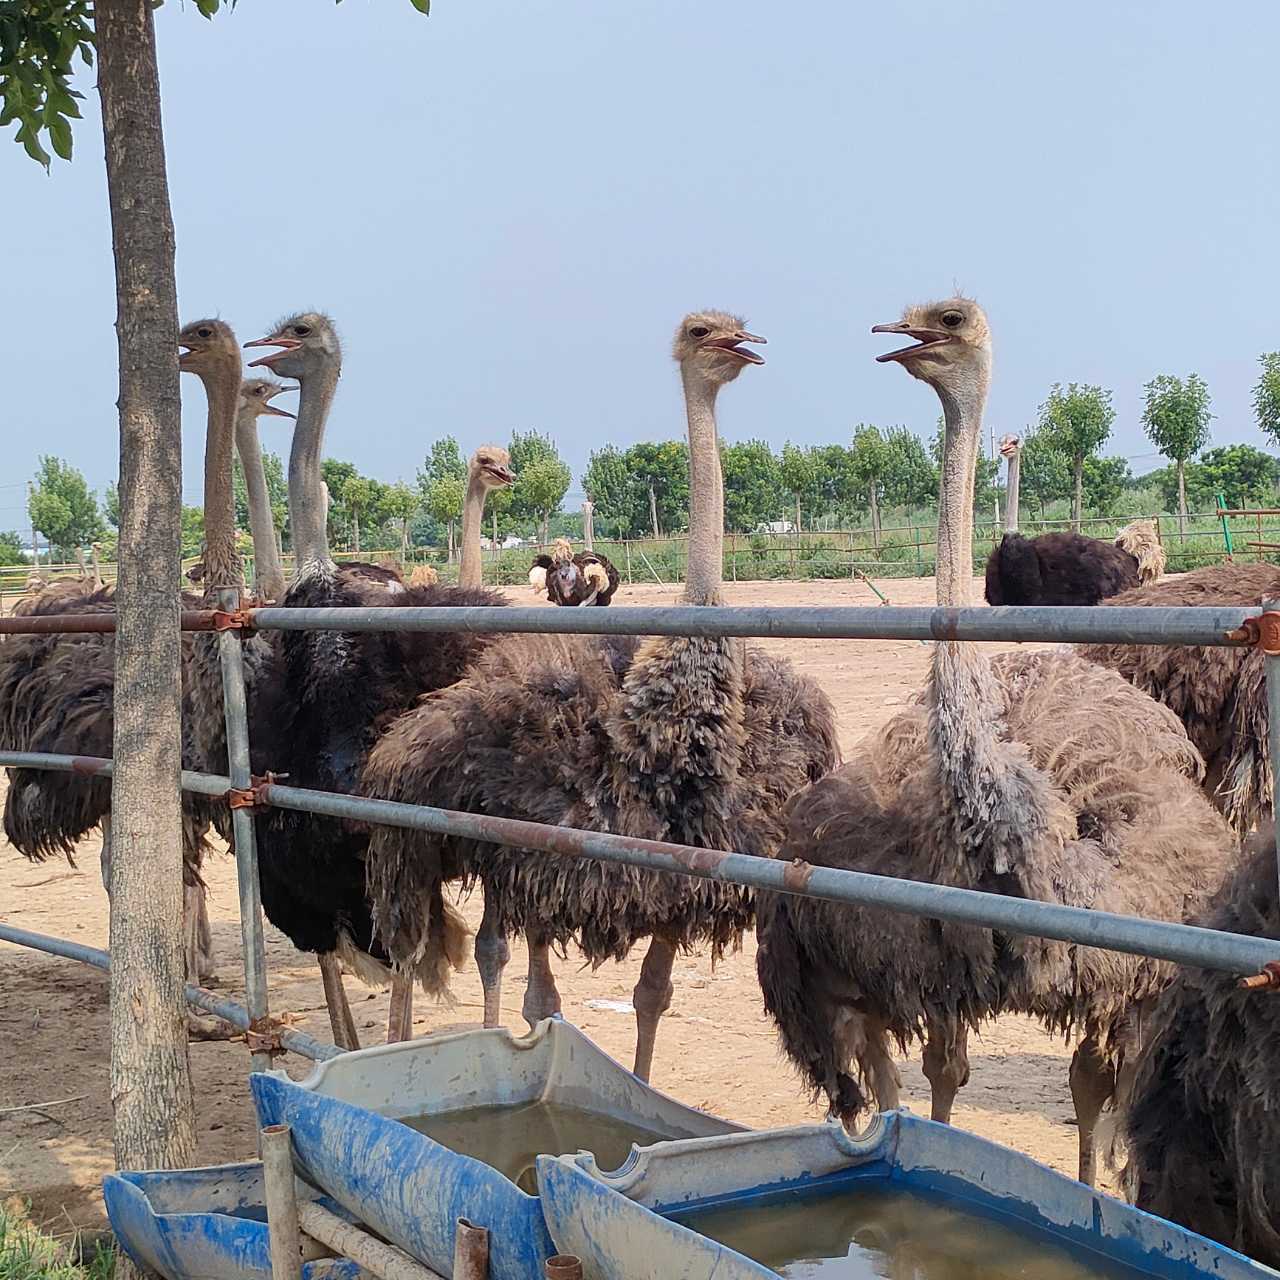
28, 1254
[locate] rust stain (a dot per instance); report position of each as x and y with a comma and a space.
796, 876
945, 624
1268, 630
1267, 980
89, 766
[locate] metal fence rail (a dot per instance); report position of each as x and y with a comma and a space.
1184, 944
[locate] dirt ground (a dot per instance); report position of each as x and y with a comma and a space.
716, 1050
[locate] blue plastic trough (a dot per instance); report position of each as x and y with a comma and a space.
618, 1223
204, 1224
410, 1190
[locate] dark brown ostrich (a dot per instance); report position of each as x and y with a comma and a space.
56, 691
1201, 1122
693, 740
1057, 568
587, 578
1219, 694
329, 695
1034, 775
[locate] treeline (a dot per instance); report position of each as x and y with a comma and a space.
643, 491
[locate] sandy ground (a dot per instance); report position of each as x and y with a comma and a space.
715, 1050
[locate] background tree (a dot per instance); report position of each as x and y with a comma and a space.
1243, 475
443, 461
869, 459
607, 481
660, 472
1045, 474
358, 496
444, 500
1266, 395
64, 508
1077, 422
752, 484
799, 474
1105, 480
401, 504
498, 505
1176, 417
111, 506
192, 538
542, 478
910, 479
277, 492
11, 549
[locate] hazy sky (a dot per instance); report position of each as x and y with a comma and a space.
508, 206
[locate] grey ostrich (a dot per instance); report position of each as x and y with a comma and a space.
56, 691
1201, 1121
694, 740
1034, 775
329, 695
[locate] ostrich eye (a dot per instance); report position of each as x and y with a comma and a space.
953, 319
302, 330
698, 331
204, 332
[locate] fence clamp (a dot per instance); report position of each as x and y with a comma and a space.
263, 1036
254, 795
232, 619
1262, 632
1267, 980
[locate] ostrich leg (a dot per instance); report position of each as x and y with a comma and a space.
652, 998
946, 1065
335, 998
541, 999
1093, 1082
400, 1015
492, 954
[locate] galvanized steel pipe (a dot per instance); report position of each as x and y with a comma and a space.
205, 784
1033, 623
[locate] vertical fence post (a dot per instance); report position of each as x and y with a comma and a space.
284, 1234
1271, 664
235, 709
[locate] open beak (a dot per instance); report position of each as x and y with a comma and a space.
503, 475
270, 409
275, 340
925, 338
730, 344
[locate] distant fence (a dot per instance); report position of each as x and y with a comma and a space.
899, 551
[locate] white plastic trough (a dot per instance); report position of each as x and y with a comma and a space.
411, 1190
618, 1222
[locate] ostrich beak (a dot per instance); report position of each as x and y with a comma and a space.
503, 475
269, 410
925, 338
274, 340
730, 344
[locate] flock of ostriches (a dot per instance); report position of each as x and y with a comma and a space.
1112, 777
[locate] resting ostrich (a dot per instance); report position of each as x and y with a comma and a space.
56, 691
331, 694
567, 579
423, 575
1034, 775
1201, 1120
693, 740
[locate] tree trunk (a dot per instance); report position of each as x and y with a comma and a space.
797, 513
1182, 500
150, 1073
546, 522
1079, 499
653, 513
404, 541
355, 529
875, 515
450, 524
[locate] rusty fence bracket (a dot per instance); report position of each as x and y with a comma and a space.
263, 1036
232, 619
1262, 632
253, 796
1267, 980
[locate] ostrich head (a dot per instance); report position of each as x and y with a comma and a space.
209, 348
562, 552
256, 395
1010, 445
490, 467
308, 342
952, 349
707, 342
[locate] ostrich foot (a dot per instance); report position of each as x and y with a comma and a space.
400, 1015
1093, 1084
946, 1066
541, 999
335, 998
652, 998
492, 954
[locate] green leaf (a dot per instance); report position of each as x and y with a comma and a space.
422, 6
59, 136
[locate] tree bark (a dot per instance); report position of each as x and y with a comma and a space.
450, 523
495, 533
355, 529
653, 513
1182, 500
150, 1073
875, 515
1076, 509
797, 513
404, 541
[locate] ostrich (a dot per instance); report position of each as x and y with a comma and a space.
1200, 1120
1219, 694
256, 395
423, 575
331, 694
56, 691
695, 740
1011, 452
1034, 775
567, 579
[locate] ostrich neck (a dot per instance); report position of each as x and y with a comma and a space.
470, 572
1011, 495
307, 506
268, 572
221, 559
706, 494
